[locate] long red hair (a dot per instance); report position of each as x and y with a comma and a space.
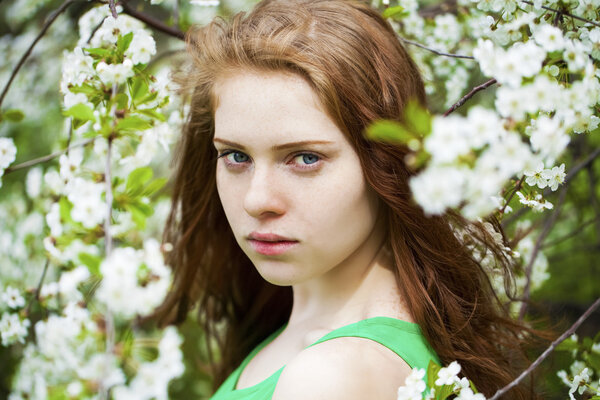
360, 71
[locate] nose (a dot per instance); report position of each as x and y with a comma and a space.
264, 196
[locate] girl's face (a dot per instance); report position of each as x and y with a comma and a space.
290, 183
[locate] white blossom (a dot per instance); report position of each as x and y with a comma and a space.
114, 73
467, 394
8, 152
448, 375
438, 188
555, 176
12, 297
549, 37
536, 177
413, 387
33, 182
13, 329
141, 48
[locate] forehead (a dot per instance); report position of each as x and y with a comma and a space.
270, 106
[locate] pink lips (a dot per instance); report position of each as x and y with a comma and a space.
270, 244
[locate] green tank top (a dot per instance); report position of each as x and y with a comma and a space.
403, 338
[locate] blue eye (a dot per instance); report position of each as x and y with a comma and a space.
239, 157
234, 157
309, 158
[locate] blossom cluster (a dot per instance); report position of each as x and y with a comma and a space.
549, 86
447, 383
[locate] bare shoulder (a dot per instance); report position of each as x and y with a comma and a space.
347, 368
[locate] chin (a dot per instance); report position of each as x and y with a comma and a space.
279, 274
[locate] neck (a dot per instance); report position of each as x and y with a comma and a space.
360, 287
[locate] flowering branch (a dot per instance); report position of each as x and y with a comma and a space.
113, 9
547, 352
36, 295
572, 173
43, 159
517, 188
472, 93
564, 13
547, 226
148, 20
571, 234
49, 22
439, 53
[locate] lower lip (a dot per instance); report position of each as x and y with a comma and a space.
271, 248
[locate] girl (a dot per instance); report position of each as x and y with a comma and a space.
315, 273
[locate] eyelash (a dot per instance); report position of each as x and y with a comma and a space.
230, 164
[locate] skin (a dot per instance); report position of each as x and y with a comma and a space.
316, 195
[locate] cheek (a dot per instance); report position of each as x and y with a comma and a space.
343, 213
230, 196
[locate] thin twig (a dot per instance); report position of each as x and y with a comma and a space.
517, 188
43, 159
572, 173
148, 20
36, 295
466, 97
176, 13
49, 22
439, 53
571, 234
109, 321
565, 13
547, 226
113, 9
109, 200
547, 352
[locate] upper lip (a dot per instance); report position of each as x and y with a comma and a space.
269, 237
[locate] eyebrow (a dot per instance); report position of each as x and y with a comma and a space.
278, 147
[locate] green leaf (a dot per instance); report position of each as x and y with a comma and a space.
150, 97
99, 52
139, 88
417, 118
12, 115
80, 112
92, 262
593, 359
122, 101
389, 131
152, 113
154, 186
123, 42
133, 123
64, 208
86, 89
139, 213
432, 371
444, 392
567, 345
137, 179
395, 12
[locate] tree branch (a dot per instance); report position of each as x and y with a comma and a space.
547, 352
472, 93
547, 226
113, 9
573, 233
49, 157
572, 172
439, 53
148, 20
564, 13
517, 188
47, 24
36, 295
